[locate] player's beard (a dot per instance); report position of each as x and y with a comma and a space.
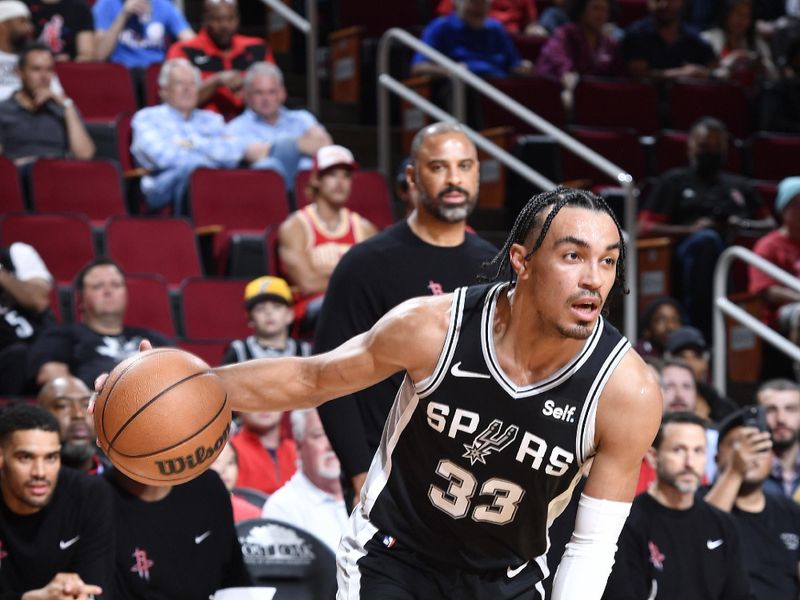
682, 485
76, 455
782, 444
328, 466
444, 212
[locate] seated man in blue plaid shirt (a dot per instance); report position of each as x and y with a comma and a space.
173, 139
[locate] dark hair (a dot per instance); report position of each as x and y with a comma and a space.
669, 361
650, 310
22, 417
529, 220
31, 47
725, 10
100, 261
575, 8
681, 418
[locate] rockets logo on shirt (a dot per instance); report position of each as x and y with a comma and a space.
656, 556
435, 288
142, 564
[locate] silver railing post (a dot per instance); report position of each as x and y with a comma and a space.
723, 305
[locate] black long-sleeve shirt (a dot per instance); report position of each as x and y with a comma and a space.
72, 534
373, 277
692, 554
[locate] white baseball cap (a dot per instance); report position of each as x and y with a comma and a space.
11, 9
334, 156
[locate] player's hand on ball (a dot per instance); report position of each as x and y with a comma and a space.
101, 379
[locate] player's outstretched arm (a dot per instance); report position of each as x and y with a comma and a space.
628, 417
409, 337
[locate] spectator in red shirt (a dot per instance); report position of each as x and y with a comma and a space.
517, 16
222, 55
266, 459
782, 248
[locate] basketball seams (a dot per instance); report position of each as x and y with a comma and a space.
178, 443
128, 367
144, 406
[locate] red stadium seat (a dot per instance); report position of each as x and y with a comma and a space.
369, 196
91, 187
166, 246
617, 103
63, 241
528, 46
210, 351
149, 303
541, 95
151, 91
11, 199
236, 201
775, 156
690, 100
100, 90
214, 308
620, 146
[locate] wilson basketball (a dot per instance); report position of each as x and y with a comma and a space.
162, 416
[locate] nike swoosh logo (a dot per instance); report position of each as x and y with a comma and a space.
201, 60
199, 538
64, 545
457, 371
713, 544
514, 572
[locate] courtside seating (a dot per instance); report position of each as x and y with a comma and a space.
691, 99
618, 103
213, 308
64, 241
100, 90
311, 575
775, 156
91, 187
225, 202
369, 196
11, 199
166, 246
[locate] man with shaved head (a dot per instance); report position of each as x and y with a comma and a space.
429, 253
222, 55
67, 399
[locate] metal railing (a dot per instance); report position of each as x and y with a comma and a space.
460, 76
308, 26
723, 305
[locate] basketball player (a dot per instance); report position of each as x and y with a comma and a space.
509, 389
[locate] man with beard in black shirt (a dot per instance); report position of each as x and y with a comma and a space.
675, 545
769, 525
429, 253
55, 538
67, 399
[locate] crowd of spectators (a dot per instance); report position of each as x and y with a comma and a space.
717, 514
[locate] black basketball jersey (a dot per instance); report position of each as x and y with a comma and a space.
473, 469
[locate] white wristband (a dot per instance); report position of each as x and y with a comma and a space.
67, 102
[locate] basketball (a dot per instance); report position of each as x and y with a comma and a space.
162, 416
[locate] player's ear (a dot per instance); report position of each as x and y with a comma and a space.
517, 254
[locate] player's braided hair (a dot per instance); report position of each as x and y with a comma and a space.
529, 219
